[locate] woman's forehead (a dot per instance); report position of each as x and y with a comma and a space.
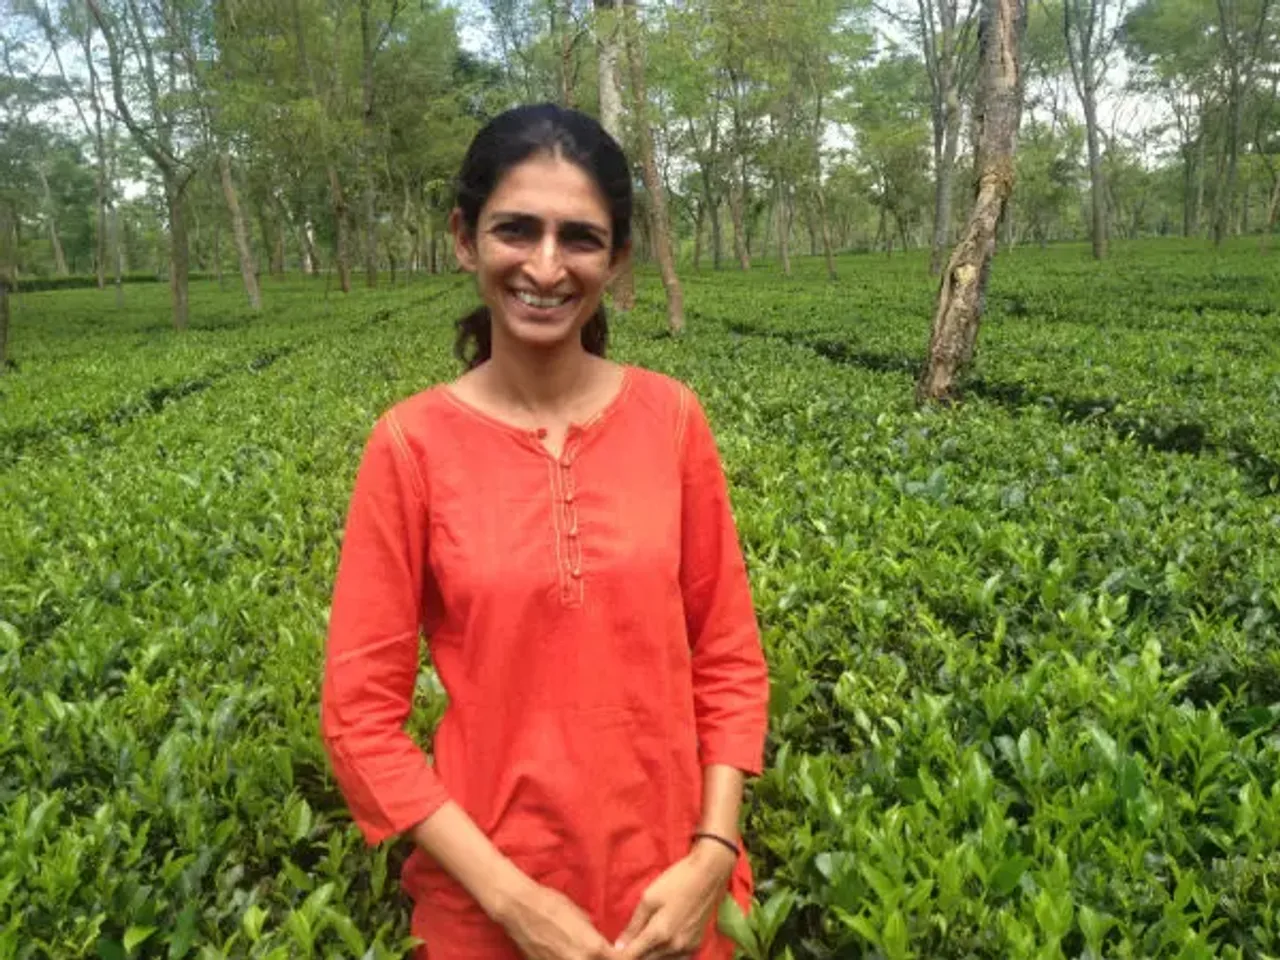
551, 189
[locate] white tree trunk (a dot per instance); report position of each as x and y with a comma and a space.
238, 230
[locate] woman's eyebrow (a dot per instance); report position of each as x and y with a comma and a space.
517, 216
583, 226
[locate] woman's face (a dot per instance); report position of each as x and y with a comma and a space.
541, 252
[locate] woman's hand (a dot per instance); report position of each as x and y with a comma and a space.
675, 909
547, 925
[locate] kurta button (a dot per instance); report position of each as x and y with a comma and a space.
568, 497
577, 572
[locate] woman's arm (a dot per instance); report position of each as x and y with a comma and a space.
730, 679
452, 839
373, 653
721, 802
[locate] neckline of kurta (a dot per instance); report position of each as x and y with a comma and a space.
533, 437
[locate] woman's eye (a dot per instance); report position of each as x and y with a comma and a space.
514, 229
583, 241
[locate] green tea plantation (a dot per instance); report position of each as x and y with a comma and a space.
1025, 651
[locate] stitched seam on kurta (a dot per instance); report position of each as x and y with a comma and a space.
338, 746
555, 524
369, 647
681, 417
402, 445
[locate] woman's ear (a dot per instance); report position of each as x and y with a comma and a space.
464, 242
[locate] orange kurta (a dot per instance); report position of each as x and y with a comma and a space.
592, 624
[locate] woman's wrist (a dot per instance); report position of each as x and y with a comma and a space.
501, 900
451, 838
713, 856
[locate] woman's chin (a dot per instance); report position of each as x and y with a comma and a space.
543, 329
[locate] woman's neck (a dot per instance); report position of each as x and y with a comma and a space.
540, 382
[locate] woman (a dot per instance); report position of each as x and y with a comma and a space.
557, 526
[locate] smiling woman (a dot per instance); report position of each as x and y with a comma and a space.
546, 191
558, 527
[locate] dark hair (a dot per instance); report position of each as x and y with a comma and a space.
505, 142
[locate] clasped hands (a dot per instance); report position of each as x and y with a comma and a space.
668, 923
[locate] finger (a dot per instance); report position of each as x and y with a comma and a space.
639, 919
649, 944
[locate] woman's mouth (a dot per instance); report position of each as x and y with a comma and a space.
541, 303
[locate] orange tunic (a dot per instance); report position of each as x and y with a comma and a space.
591, 621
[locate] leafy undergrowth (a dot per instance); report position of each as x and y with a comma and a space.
1026, 683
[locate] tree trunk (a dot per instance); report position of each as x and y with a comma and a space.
1273, 212
266, 230
117, 243
238, 231
7, 252
819, 191
156, 141
623, 287
736, 204
4, 321
1188, 180
1197, 215
368, 53
51, 220
1225, 204
217, 256
310, 261
117, 238
712, 204
566, 55
963, 286
1097, 181
179, 254
699, 217
101, 184
784, 231
339, 202
946, 165
370, 235
661, 224
738, 185
824, 226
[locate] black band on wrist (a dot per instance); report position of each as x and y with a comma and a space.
704, 835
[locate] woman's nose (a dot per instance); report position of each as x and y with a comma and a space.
546, 265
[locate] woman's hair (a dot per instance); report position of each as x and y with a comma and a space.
507, 141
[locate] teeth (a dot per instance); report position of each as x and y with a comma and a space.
542, 302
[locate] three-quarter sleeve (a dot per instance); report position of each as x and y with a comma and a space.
730, 679
373, 652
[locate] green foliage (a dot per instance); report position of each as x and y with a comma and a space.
84, 282
1023, 652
